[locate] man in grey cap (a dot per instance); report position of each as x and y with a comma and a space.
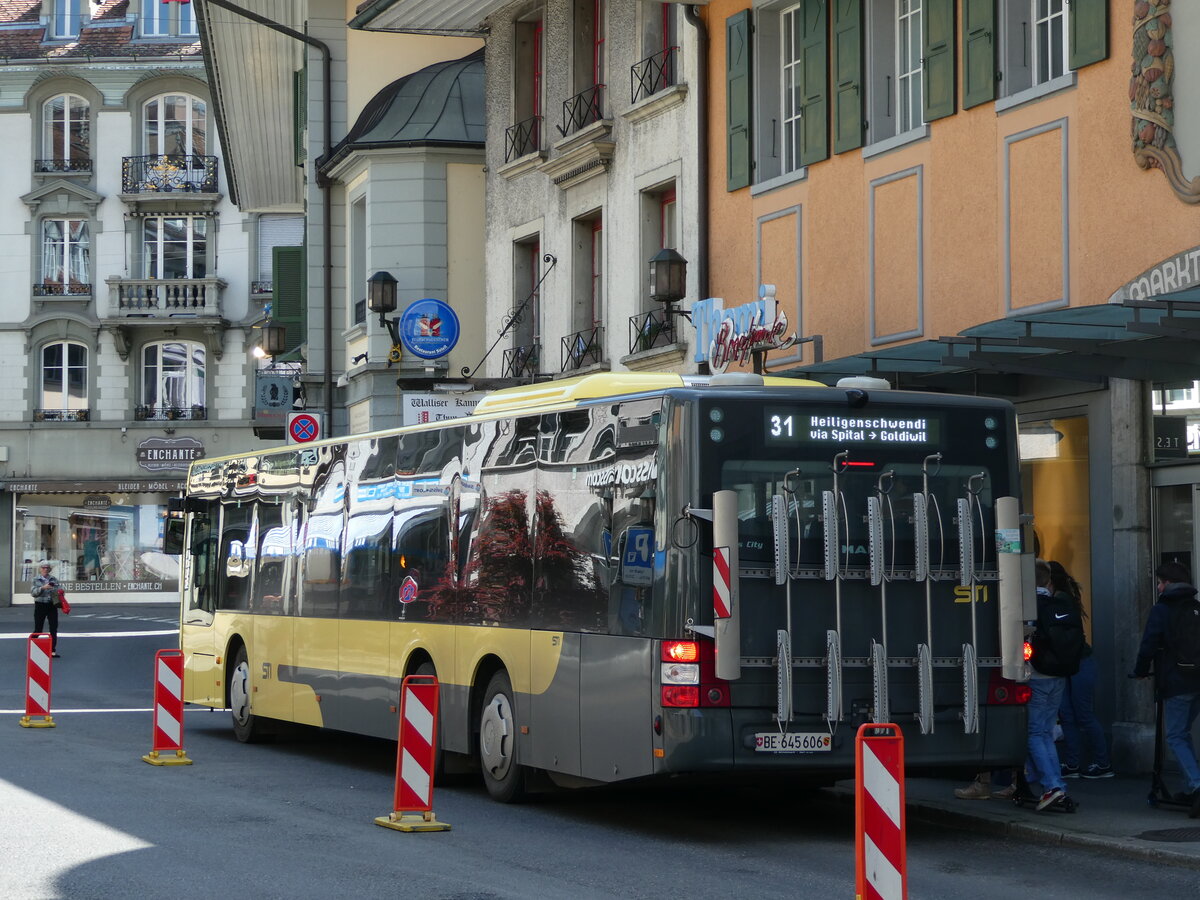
45, 603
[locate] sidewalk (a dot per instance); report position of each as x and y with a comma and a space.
1113, 816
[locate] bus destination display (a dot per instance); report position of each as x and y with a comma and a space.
788, 426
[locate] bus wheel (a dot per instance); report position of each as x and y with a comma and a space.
247, 727
498, 742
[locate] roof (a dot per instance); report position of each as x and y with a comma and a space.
108, 33
442, 104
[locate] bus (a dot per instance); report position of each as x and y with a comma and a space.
627, 575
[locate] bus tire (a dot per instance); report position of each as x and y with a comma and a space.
247, 727
503, 777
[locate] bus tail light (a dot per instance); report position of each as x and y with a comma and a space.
1004, 692
689, 675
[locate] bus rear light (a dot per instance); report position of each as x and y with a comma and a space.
1028, 651
1005, 692
680, 695
680, 651
680, 673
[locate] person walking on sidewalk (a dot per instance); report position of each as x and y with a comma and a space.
1047, 681
1177, 683
1077, 714
45, 604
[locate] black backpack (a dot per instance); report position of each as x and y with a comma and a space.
1183, 639
1058, 641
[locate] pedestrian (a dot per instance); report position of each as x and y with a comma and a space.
1178, 688
45, 604
1046, 692
1077, 714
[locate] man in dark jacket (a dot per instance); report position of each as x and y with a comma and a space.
45, 604
1181, 696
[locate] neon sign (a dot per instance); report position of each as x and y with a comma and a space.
724, 335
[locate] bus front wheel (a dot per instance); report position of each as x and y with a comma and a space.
247, 727
502, 775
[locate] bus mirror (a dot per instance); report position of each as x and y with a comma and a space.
176, 504
173, 537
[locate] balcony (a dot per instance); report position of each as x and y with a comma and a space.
62, 166
74, 289
582, 110
194, 413
653, 74
62, 415
261, 288
169, 174
583, 348
521, 362
648, 331
156, 299
523, 138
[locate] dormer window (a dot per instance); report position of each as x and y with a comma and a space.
65, 19
168, 18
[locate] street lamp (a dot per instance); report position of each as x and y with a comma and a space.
381, 299
668, 276
273, 341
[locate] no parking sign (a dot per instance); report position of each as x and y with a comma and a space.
303, 428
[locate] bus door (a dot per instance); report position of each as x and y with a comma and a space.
200, 570
274, 564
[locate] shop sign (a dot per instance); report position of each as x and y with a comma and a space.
419, 408
429, 328
168, 453
273, 398
1170, 437
91, 487
731, 335
1180, 271
97, 501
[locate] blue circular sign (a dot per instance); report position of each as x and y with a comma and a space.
429, 328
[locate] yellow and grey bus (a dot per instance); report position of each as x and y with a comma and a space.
627, 575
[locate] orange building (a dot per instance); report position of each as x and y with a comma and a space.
994, 198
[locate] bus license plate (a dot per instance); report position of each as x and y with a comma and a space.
792, 742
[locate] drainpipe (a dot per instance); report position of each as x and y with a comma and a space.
692, 13
322, 183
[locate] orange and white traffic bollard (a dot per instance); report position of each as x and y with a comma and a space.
37, 681
880, 857
168, 710
416, 751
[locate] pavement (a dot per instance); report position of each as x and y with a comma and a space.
1113, 816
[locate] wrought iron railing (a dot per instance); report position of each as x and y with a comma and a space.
581, 348
74, 289
524, 137
169, 173
62, 165
582, 110
62, 415
165, 297
653, 74
196, 412
521, 362
258, 288
649, 330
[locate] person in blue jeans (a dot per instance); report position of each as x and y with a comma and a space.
1042, 709
1180, 693
1077, 713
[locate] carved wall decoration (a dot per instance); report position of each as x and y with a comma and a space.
1151, 99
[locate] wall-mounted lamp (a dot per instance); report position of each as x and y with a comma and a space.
381, 299
668, 280
273, 341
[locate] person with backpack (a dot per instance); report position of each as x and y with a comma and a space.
1057, 646
1171, 642
1077, 714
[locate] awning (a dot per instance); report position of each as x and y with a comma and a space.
1156, 341
448, 17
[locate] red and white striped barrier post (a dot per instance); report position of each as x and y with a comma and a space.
37, 682
881, 868
168, 710
416, 751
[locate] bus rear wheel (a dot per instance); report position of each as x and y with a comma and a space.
247, 727
502, 775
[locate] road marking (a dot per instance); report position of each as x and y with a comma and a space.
58, 712
90, 634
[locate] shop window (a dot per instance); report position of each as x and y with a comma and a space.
64, 394
174, 247
162, 18
173, 385
66, 263
66, 134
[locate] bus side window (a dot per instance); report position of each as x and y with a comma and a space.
203, 551
233, 558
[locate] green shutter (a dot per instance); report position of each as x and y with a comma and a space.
1089, 32
289, 297
937, 27
847, 75
814, 91
979, 52
737, 100
299, 112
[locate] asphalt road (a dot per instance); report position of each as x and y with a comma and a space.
82, 816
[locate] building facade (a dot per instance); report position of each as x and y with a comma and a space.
126, 327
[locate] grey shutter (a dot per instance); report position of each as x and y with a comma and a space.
979, 52
847, 75
937, 27
1089, 32
814, 92
737, 100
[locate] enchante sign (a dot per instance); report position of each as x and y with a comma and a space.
724, 336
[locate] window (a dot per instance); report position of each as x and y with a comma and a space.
66, 267
172, 377
64, 380
1050, 39
525, 134
174, 247
358, 261
65, 20
909, 65
791, 87
658, 67
163, 18
66, 134
527, 273
660, 230
587, 283
175, 124
588, 69
275, 231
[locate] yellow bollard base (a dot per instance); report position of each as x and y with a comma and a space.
28, 722
398, 821
179, 759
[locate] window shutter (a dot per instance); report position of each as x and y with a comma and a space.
814, 93
937, 25
737, 100
1089, 32
289, 293
847, 75
299, 112
979, 52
